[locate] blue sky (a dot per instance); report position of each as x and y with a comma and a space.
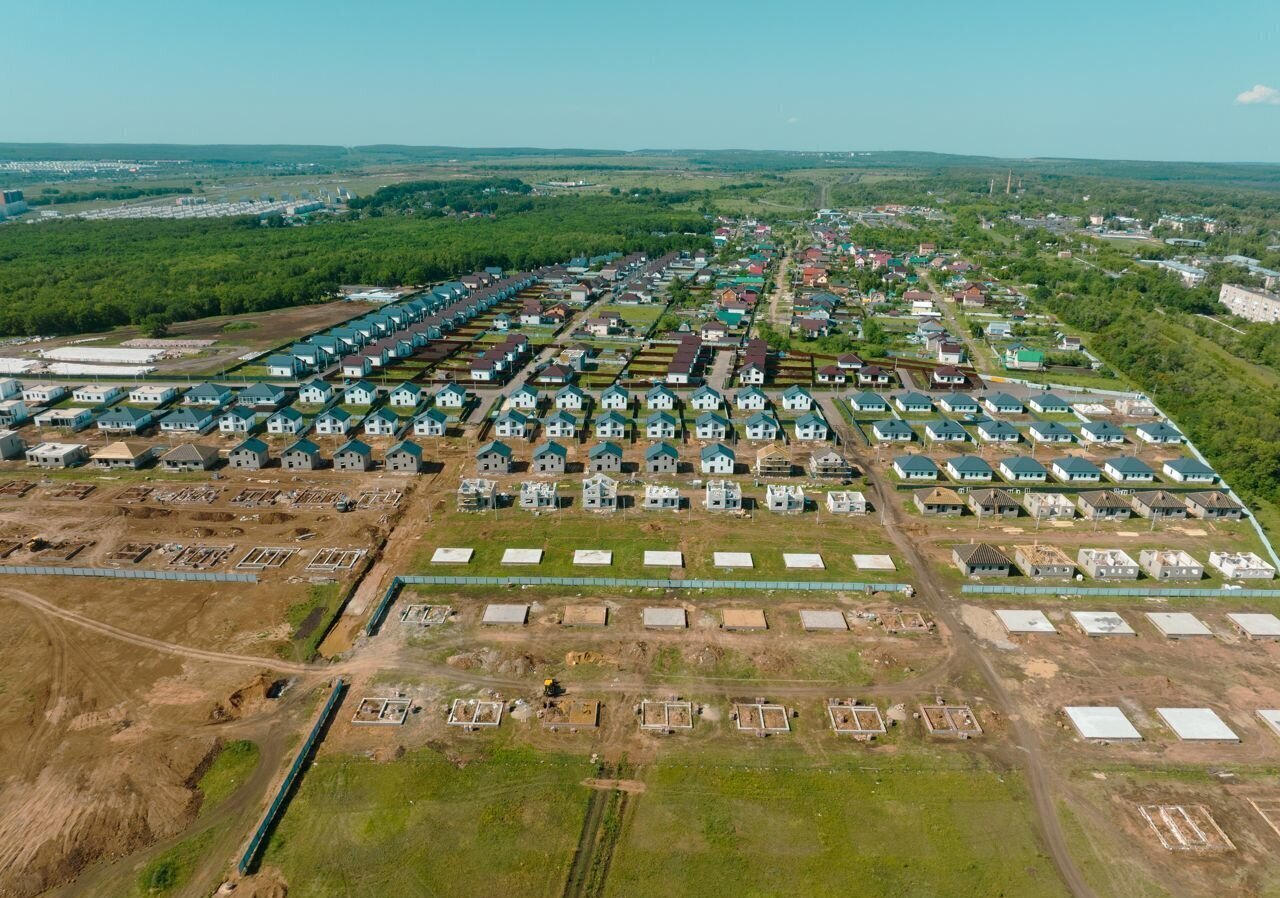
1120, 79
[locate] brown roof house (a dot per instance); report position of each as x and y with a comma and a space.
981, 560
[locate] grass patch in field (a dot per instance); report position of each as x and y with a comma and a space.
503, 826
171, 870
235, 761
904, 828
695, 532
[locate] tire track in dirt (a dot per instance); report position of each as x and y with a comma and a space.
36, 603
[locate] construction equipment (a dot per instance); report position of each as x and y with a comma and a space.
551, 688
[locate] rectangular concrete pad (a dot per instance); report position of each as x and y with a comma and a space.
1257, 626
823, 619
522, 556
874, 563
803, 561
734, 559
665, 618
585, 616
663, 559
744, 619
1271, 717
452, 556
1107, 723
1197, 725
505, 614
594, 557
1178, 624
1026, 622
1102, 623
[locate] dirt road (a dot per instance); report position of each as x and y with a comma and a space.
966, 651
170, 648
781, 290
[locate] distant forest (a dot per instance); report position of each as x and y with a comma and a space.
71, 276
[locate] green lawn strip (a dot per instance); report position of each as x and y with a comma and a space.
232, 766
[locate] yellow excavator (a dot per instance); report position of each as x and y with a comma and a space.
551, 688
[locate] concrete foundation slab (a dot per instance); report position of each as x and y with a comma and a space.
663, 559
593, 557
505, 615
1102, 623
665, 619
874, 563
803, 561
1257, 626
1270, 717
1102, 723
522, 556
823, 619
452, 556
1178, 624
734, 559
1197, 725
1026, 622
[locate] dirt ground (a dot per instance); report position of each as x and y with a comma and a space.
270, 329
118, 692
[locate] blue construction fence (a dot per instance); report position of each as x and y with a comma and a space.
41, 570
295, 770
1184, 592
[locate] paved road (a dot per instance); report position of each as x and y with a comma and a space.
718, 376
966, 652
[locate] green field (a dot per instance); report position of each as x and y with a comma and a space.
757, 821
903, 827
504, 827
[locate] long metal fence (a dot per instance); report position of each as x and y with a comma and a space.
640, 583
1180, 592
295, 770
42, 570
380, 611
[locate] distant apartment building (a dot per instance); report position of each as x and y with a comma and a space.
1250, 304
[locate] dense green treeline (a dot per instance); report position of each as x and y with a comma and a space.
76, 276
1139, 329
52, 196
